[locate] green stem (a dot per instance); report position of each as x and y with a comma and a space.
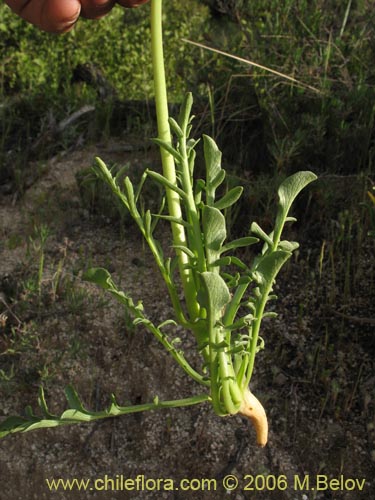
233, 306
254, 338
192, 213
169, 170
193, 400
177, 355
77, 416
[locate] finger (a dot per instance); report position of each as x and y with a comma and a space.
131, 3
49, 15
95, 9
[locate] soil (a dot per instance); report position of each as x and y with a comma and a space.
315, 377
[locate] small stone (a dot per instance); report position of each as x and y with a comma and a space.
281, 379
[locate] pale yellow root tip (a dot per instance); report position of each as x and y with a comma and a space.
253, 410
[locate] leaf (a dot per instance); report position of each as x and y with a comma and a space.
223, 261
229, 198
240, 242
104, 171
171, 265
140, 186
288, 191
140, 321
120, 172
99, 276
42, 404
166, 323
185, 110
147, 223
127, 301
73, 399
256, 229
238, 262
290, 188
214, 173
156, 220
170, 218
289, 246
169, 148
166, 183
216, 293
214, 229
103, 278
270, 314
226, 261
268, 267
191, 144
176, 128
129, 190
184, 249
191, 160
200, 186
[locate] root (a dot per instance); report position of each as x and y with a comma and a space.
253, 410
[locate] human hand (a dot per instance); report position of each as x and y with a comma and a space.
58, 16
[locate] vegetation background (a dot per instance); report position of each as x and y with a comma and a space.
60, 95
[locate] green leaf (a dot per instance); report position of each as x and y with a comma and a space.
103, 278
129, 191
229, 198
99, 276
223, 261
73, 399
43, 405
191, 160
217, 295
104, 170
214, 229
238, 262
168, 147
185, 110
140, 186
184, 249
256, 229
127, 301
268, 267
226, 261
156, 220
170, 218
166, 183
289, 246
291, 187
200, 186
147, 223
240, 242
119, 174
166, 323
215, 175
176, 128
140, 321
288, 191
191, 144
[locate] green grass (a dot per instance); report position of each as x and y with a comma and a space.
325, 45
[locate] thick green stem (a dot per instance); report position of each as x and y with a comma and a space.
169, 170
